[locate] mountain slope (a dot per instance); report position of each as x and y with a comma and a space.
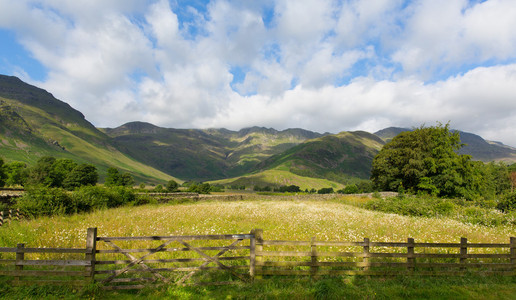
336, 157
33, 124
475, 145
204, 154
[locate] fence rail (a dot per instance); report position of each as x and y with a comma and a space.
136, 262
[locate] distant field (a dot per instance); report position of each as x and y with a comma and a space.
278, 177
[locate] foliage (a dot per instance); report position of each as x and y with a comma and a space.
3, 175
115, 178
45, 201
325, 191
288, 189
55, 173
507, 203
202, 188
425, 160
159, 189
81, 175
434, 207
16, 173
172, 186
349, 189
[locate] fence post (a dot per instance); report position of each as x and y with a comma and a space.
463, 252
91, 249
313, 249
258, 234
252, 254
513, 254
20, 256
366, 254
410, 254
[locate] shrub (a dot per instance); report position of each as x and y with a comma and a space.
44, 201
325, 191
413, 206
172, 186
349, 189
507, 203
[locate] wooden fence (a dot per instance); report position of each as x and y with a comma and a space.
136, 262
317, 258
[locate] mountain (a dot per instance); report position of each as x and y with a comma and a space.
33, 124
474, 145
337, 157
205, 154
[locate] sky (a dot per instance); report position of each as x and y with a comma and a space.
320, 65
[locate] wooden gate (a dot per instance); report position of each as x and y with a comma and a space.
136, 262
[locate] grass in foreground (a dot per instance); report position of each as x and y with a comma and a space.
358, 287
280, 219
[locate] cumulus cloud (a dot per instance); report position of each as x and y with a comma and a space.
321, 65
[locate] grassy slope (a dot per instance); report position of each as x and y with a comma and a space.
203, 154
48, 136
338, 157
278, 177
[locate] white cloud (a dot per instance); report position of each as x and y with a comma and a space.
417, 62
444, 35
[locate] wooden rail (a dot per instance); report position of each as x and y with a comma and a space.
137, 262
317, 258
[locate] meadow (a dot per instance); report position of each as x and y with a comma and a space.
281, 218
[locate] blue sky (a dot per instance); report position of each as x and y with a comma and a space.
322, 65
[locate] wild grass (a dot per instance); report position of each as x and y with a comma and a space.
281, 218
289, 219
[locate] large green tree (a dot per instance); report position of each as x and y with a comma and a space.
426, 160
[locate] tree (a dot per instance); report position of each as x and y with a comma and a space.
115, 178
426, 160
172, 186
83, 174
16, 173
112, 177
325, 191
61, 168
125, 179
41, 172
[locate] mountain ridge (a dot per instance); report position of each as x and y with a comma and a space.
33, 123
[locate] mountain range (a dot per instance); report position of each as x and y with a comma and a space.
33, 123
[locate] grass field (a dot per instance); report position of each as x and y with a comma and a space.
281, 218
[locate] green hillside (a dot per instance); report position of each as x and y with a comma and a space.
279, 177
338, 157
204, 154
33, 124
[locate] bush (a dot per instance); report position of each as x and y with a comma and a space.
413, 206
349, 189
325, 191
172, 186
507, 203
44, 201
